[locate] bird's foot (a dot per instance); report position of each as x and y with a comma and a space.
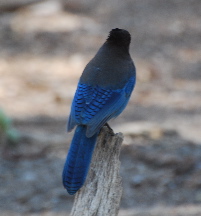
110, 129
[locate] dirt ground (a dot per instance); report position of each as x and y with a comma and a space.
43, 50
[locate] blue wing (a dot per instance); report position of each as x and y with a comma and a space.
94, 106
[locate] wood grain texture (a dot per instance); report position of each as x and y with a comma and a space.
101, 194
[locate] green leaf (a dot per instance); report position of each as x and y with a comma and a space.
5, 122
12, 135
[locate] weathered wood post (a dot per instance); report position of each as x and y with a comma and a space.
101, 194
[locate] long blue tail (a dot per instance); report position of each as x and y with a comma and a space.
78, 160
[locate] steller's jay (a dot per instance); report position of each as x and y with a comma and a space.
102, 93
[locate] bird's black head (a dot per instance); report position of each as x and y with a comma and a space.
119, 37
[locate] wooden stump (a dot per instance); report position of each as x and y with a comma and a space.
101, 194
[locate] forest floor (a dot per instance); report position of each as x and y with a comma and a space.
43, 50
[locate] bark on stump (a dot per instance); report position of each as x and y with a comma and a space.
101, 194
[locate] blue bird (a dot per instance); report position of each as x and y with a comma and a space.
102, 93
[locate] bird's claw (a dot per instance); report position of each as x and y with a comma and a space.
110, 129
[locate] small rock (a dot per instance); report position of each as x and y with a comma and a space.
29, 176
137, 180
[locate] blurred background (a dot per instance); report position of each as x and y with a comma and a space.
44, 47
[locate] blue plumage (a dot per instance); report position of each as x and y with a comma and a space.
94, 106
102, 93
78, 160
